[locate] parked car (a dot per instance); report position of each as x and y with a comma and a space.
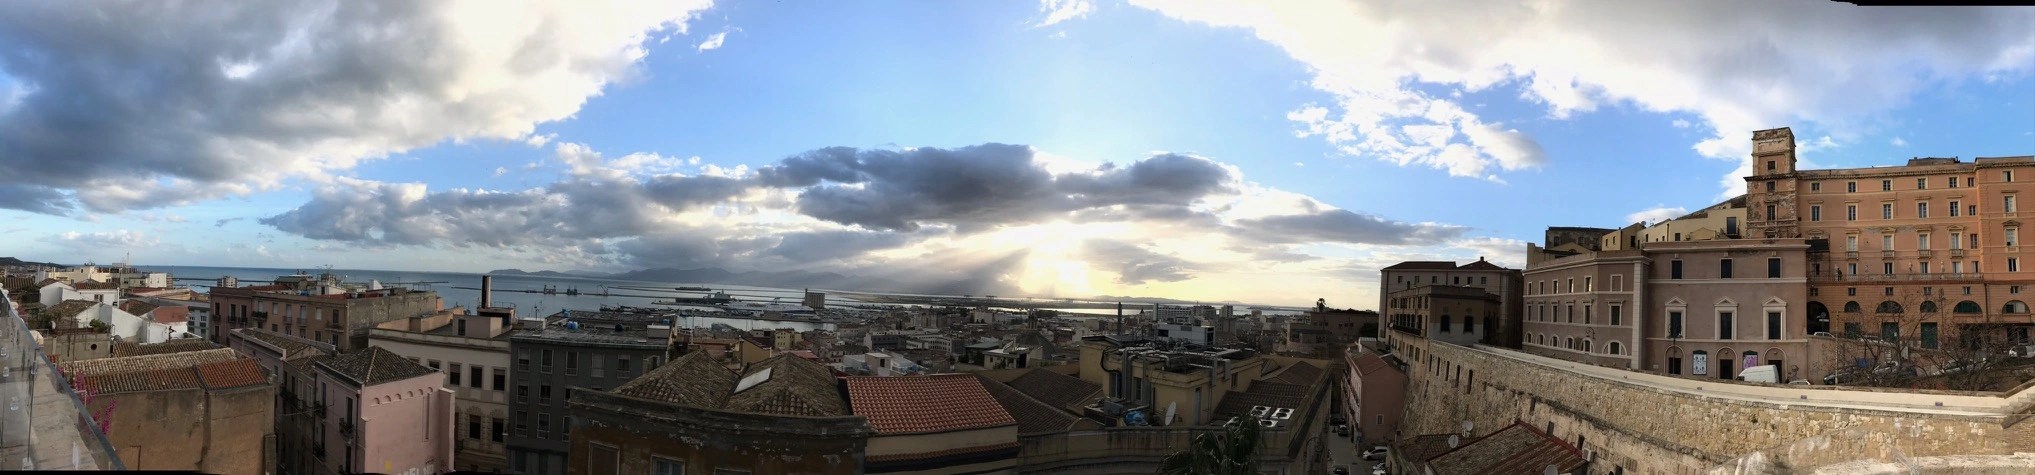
1376, 453
1341, 430
1800, 382
1338, 420
1378, 469
1339, 470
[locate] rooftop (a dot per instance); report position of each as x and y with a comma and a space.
788, 385
136, 307
1422, 265
291, 347
374, 365
1421, 448
694, 379
901, 405
1033, 416
70, 308
211, 369
96, 286
1518, 449
588, 334
179, 345
1056, 389
172, 314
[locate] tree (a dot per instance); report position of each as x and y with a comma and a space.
1230, 450
1924, 345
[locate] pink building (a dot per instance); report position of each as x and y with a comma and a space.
384, 414
1374, 396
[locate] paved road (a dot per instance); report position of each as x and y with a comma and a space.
1343, 451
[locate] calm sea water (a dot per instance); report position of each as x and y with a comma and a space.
509, 290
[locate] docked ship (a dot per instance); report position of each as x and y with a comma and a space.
762, 309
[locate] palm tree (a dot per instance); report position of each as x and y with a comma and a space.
1230, 450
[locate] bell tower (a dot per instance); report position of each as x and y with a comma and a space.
1770, 193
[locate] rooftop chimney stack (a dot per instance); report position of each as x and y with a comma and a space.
487, 291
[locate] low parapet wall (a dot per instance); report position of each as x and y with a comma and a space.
1658, 424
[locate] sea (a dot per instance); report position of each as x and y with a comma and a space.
524, 292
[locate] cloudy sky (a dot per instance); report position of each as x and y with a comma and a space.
1271, 152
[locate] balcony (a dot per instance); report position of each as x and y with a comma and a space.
1887, 254
43, 423
1956, 253
1910, 277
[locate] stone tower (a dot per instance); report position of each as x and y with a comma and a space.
1770, 190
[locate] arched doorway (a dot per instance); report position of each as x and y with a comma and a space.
1773, 357
1727, 366
1819, 318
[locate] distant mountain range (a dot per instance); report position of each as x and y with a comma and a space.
783, 279
9, 261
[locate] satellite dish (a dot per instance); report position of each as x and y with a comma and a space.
1454, 441
1467, 426
1169, 411
1552, 470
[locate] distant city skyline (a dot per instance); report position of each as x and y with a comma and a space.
1275, 152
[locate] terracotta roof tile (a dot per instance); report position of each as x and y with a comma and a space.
1262, 393
898, 405
1056, 389
1033, 416
169, 314
179, 345
137, 307
232, 374
1371, 363
374, 365
1300, 374
71, 308
1421, 448
795, 387
694, 379
1519, 449
46, 282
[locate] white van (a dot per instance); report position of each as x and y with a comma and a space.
1760, 374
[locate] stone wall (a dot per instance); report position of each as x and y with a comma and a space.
1645, 423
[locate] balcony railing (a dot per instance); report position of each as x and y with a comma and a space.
1903, 277
43, 423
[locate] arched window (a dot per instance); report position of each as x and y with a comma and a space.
1569, 343
1888, 307
1928, 306
1616, 349
1469, 326
1851, 307
1966, 307
1586, 345
1444, 323
2015, 307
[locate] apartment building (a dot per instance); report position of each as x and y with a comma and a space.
1498, 281
1929, 249
472, 350
340, 319
573, 349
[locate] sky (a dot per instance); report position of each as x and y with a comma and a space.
1266, 152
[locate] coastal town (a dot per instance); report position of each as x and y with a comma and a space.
1732, 339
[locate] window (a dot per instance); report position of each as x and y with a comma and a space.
1850, 187
543, 426
1773, 267
1974, 245
544, 394
2013, 265
1616, 319
1816, 186
1674, 324
1890, 331
1770, 183
1886, 242
1968, 181
2007, 175
1929, 335
1586, 313
501, 379
1724, 268
1922, 241
1444, 324
1773, 325
1816, 212
1922, 210
1971, 210
2013, 236
1675, 269
667, 466
455, 373
1886, 185
1572, 314
1617, 283
1851, 212
2009, 207
1853, 330
499, 430
1770, 212
522, 393
1851, 243
1925, 269
1953, 208
1921, 183
546, 361
622, 366
1953, 182
571, 363
1469, 326
523, 360
1887, 268
475, 379
1886, 211
1724, 329
473, 427
1957, 240
1851, 267
1589, 286
595, 361
1956, 267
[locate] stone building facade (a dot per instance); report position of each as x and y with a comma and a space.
1929, 249
1499, 281
571, 351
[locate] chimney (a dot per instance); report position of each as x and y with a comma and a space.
487, 291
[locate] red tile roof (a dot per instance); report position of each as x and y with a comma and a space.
899, 405
172, 314
1519, 449
232, 374
96, 286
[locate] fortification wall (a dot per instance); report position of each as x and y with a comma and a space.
1647, 423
